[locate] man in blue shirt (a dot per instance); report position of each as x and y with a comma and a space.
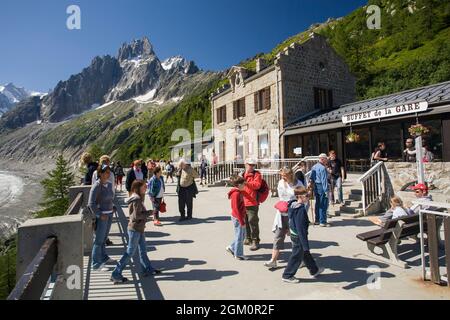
319, 178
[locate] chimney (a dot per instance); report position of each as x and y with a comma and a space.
260, 64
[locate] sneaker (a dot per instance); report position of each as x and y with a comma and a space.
101, 268
291, 280
325, 225
157, 223
118, 280
247, 242
230, 250
111, 261
319, 271
241, 258
255, 246
270, 264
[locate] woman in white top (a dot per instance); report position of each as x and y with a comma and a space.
286, 187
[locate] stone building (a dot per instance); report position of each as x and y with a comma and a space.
249, 115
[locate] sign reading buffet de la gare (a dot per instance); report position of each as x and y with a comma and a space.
392, 111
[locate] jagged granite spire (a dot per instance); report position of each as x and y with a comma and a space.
137, 48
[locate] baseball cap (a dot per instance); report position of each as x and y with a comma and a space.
323, 155
251, 161
420, 186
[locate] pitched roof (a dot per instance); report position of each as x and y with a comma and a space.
433, 94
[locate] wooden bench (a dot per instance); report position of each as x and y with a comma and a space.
388, 238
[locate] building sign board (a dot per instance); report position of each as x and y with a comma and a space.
391, 111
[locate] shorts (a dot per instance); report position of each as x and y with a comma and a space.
280, 234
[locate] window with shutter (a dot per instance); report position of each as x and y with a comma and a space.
242, 108
222, 115
256, 102
323, 98
267, 98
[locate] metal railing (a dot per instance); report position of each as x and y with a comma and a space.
371, 183
434, 220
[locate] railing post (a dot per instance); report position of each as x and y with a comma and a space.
364, 197
69, 267
433, 248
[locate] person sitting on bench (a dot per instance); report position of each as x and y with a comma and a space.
421, 192
396, 211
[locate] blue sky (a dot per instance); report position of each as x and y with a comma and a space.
37, 50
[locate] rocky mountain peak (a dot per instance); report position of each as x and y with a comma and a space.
141, 48
180, 64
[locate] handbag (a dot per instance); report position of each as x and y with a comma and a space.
163, 207
282, 206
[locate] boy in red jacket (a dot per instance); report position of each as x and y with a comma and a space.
238, 214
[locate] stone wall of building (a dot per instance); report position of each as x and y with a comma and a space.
309, 65
252, 124
436, 173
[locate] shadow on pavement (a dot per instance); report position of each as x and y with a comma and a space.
175, 220
351, 270
196, 275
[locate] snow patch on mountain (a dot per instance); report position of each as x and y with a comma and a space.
146, 97
173, 62
105, 105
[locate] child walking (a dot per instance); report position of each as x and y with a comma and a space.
136, 235
298, 224
238, 213
156, 190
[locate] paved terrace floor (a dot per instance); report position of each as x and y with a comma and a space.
196, 266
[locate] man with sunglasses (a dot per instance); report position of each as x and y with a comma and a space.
421, 192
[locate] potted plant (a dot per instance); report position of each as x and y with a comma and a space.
352, 137
417, 130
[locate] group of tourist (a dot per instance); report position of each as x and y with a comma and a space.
409, 154
291, 218
248, 191
141, 179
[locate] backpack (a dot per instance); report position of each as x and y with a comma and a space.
262, 193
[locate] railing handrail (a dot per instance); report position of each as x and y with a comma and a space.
431, 203
76, 205
33, 281
370, 172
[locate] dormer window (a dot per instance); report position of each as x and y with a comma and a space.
236, 77
323, 98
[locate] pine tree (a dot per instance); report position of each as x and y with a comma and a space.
56, 189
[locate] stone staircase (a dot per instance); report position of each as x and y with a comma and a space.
352, 204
